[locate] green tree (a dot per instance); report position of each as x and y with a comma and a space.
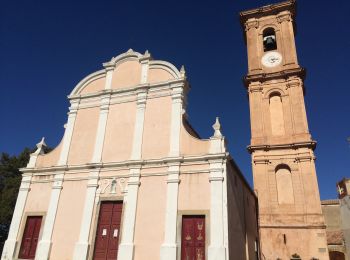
10, 180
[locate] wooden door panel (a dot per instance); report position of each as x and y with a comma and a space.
30, 237
108, 231
193, 238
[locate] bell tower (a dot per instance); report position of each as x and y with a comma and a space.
283, 161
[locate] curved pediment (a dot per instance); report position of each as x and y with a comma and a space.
128, 70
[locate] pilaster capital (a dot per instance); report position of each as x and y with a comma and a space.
145, 58
284, 16
255, 87
177, 91
251, 23
105, 101
74, 105
109, 67
293, 82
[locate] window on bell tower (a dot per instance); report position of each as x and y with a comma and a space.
269, 40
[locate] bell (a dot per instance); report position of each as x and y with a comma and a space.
270, 41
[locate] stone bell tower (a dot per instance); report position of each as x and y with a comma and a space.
283, 161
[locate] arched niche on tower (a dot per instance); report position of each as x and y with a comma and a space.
276, 114
285, 190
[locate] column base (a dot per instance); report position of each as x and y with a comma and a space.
43, 251
9, 249
126, 251
168, 252
216, 253
81, 250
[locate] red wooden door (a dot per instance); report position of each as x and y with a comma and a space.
30, 237
193, 238
108, 230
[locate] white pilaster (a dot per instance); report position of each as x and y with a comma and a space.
82, 246
139, 123
126, 247
101, 128
44, 246
144, 60
109, 74
10, 244
218, 219
169, 247
216, 250
176, 117
69, 132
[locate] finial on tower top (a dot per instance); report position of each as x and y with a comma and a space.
217, 128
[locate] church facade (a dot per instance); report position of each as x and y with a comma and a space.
132, 180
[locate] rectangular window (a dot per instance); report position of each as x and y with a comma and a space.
30, 237
193, 237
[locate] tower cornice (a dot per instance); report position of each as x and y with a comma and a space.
271, 9
284, 74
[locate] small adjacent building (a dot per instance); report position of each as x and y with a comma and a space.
131, 178
337, 217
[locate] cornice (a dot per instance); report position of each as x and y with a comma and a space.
308, 144
131, 164
266, 10
284, 74
133, 90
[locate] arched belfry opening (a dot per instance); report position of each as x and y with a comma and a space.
269, 39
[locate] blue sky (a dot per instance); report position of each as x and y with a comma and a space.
47, 47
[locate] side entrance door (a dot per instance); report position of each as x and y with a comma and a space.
193, 238
30, 237
108, 229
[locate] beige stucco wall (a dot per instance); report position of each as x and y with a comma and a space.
150, 217
49, 159
84, 135
126, 74
158, 75
119, 132
156, 135
38, 197
305, 242
242, 219
194, 192
94, 86
190, 145
68, 220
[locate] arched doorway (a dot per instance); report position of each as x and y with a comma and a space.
335, 255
